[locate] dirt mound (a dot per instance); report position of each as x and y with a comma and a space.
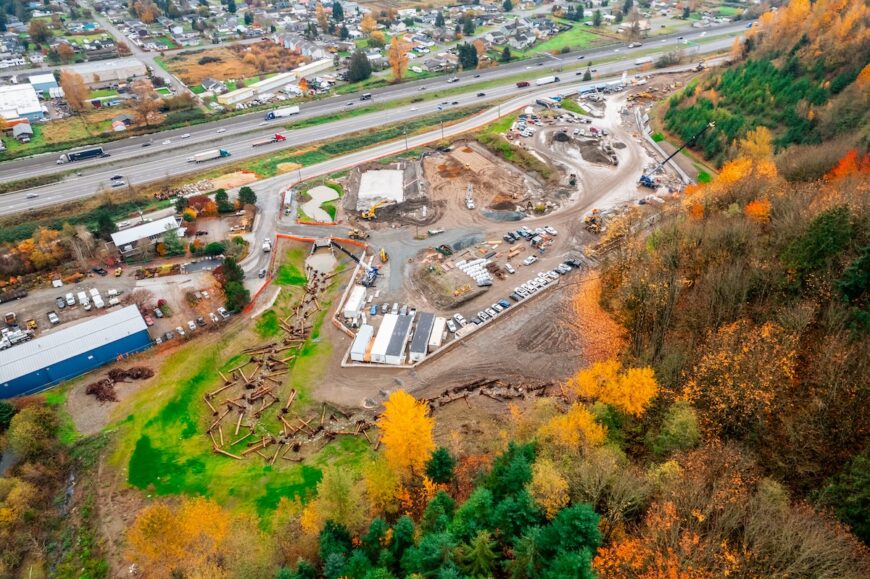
450, 169
619, 145
561, 137
590, 151
104, 390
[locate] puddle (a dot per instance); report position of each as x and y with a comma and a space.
319, 195
322, 261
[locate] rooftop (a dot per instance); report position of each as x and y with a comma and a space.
144, 231
399, 336
17, 100
69, 342
420, 341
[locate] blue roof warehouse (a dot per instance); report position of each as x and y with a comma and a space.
72, 351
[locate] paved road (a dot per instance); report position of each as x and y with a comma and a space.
205, 134
171, 163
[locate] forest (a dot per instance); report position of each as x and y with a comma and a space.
797, 73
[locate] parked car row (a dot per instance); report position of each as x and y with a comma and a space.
192, 325
529, 234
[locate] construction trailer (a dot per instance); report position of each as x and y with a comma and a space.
395, 354
436, 336
420, 341
359, 350
382, 340
355, 303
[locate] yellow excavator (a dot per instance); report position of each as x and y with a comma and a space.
370, 214
384, 256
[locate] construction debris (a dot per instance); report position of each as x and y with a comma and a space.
104, 390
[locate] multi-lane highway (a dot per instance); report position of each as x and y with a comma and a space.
140, 165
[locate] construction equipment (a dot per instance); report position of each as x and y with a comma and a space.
370, 214
385, 257
358, 234
11, 319
593, 221
371, 274
31, 324
444, 250
646, 180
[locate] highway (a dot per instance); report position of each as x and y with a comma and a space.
171, 163
206, 134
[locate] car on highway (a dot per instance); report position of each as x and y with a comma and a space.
540, 64
116, 178
581, 57
476, 76
221, 130
118, 183
166, 142
262, 273
481, 94
185, 136
32, 195
348, 104
455, 103
530, 260
453, 79
635, 44
146, 144
413, 108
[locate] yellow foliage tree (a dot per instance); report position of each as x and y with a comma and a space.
383, 487
548, 487
758, 144
758, 210
368, 24
574, 430
339, 498
629, 390
406, 431
397, 56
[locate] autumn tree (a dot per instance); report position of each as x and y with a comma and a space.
397, 56
39, 31
574, 430
406, 430
630, 390
32, 431
339, 498
368, 25
322, 17
382, 485
74, 89
548, 487
377, 39
146, 105
65, 53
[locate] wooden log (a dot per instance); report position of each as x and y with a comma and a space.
239, 423
219, 418
219, 390
290, 399
263, 455
229, 454
366, 434
213, 441
224, 377
234, 403
275, 456
221, 434
242, 438
322, 413
244, 378
287, 359
213, 409
260, 411
292, 458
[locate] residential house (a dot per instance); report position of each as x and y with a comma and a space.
22, 132
214, 86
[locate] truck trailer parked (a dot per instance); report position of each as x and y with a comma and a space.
277, 137
281, 113
84, 154
208, 155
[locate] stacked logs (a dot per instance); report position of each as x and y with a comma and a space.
491, 388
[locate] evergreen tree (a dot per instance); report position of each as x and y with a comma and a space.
507, 5
223, 201
343, 32
467, 56
105, 225
231, 6
506, 54
337, 11
360, 68
439, 20
440, 466
247, 196
686, 12
588, 74
596, 18
468, 26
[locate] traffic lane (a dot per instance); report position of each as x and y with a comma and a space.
208, 132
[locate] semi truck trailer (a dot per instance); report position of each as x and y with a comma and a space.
281, 113
84, 154
277, 137
208, 155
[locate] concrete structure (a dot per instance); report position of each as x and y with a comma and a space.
420, 342
128, 240
383, 185
274, 83
65, 353
355, 303
108, 72
359, 350
43, 82
395, 354
436, 337
382, 340
19, 101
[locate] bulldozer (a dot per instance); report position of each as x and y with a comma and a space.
385, 257
371, 214
358, 234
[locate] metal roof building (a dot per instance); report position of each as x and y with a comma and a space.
126, 239
66, 353
399, 341
420, 341
382, 340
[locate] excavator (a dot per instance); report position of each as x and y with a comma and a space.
646, 180
358, 234
370, 214
385, 257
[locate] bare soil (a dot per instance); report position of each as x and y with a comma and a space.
232, 62
234, 179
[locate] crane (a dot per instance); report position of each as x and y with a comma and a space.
646, 179
371, 274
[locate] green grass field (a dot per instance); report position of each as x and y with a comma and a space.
578, 37
162, 444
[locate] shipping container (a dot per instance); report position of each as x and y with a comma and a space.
436, 337
355, 302
360, 348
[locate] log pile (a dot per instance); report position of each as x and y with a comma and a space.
104, 390
250, 414
491, 388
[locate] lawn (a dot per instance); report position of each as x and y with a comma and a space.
578, 37
164, 91
571, 105
161, 441
101, 93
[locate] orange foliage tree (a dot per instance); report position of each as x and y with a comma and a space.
758, 210
397, 56
406, 431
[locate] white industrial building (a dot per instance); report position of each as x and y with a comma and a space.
274, 83
127, 240
19, 101
101, 73
383, 185
360, 348
355, 303
392, 340
420, 342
